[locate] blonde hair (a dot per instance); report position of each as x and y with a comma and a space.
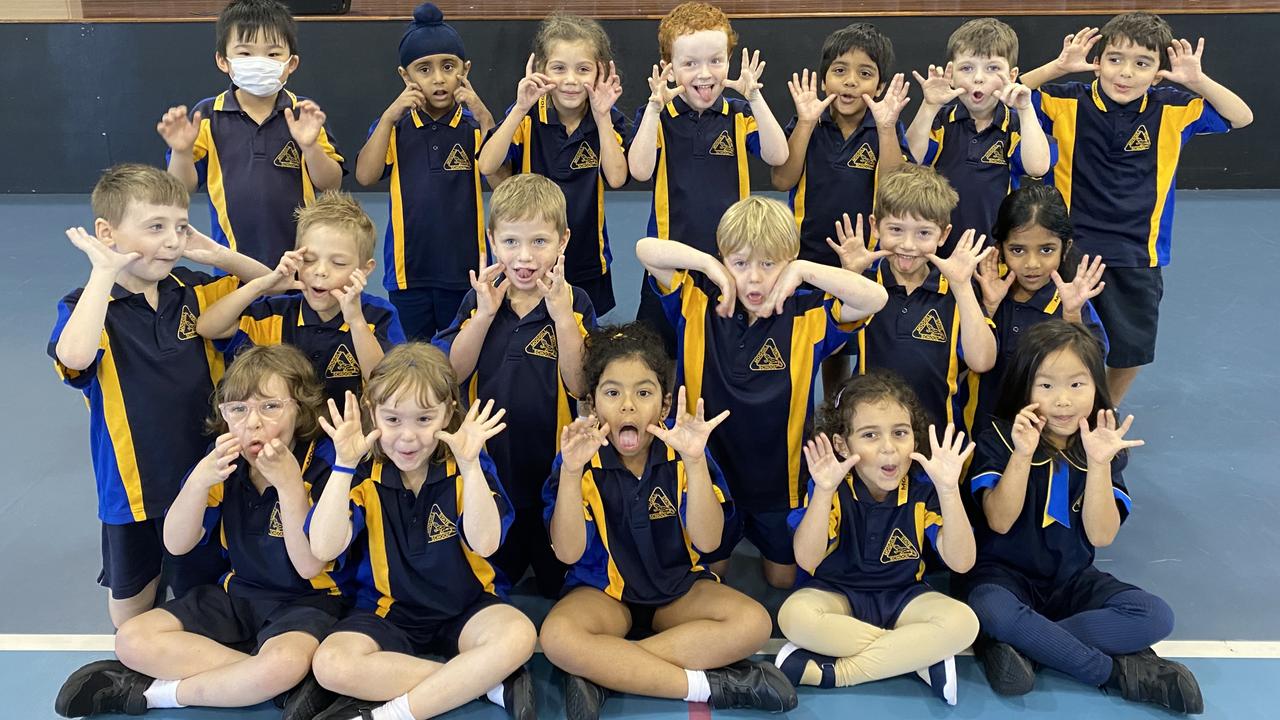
562, 27
423, 370
248, 375
916, 191
986, 37
761, 226
132, 182
691, 17
338, 210
528, 196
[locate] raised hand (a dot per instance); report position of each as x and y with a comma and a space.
994, 287
660, 90
964, 260
689, 436
937, 88
1086, 285
1074, 57
1184, 63
605, 91
747, 84
804, 93
488, 296
179, 131
532, 87
827, 470
720, 275
103, 256
1027, 426
218, 465
285, 275
350, 444
201, 248
946, 458
467, 96
278, 466
1105, 440
556, 292
1015, 95
411, 98
889, 107
348, 297
580, 440
852, 248
306, 128
785, 286
477, 427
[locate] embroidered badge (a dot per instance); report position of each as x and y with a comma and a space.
930, 328
276, 528
343, 364
458, 159
1140, 141
187, 324
660, 507
995, 154
289, 157
898, 548
864, 158
768, 358
439, 527
723, 145
585, 159
544, 344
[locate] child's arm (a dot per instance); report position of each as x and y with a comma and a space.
1186, 70
325, 172
704, 516
663, 258
804, 93
811, 538
493, 155
372, 160
180, 134
481, 521
976, 336
202, 249
184, 521
886, 112
466, 346
859, 297
81, 336
943, 466
937, 92
1033, 145
1074, 58
281, 470
1101, 445
643, 156
613, 161
330, 530
773, 142
1002, 504
221, 319
570, 347
1086, 285
579, 442
368, 349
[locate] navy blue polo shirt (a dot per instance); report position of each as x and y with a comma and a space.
519, 369
572, 161
415, 567
1047, 542
251, 532
638, 547
701, 169
255, 175
840, 176
435, 202
290, 320
1118, 164
763, 372
147, 391
874, 545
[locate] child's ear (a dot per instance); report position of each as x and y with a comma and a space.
102, 231
370, 265
666, 406
837, 442
564, 240
221, 61
466, 68
880, 89
404, 75
1013, 75
291, 66
946, 232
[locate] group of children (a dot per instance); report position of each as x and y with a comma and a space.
340, 525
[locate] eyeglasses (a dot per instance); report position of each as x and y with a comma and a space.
237, 412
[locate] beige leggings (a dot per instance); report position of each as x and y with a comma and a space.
931, 628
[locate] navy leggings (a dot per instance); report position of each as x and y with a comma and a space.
1082, 644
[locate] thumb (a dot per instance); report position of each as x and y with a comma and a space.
919, 458
372, 437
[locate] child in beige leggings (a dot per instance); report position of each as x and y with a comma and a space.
862, 612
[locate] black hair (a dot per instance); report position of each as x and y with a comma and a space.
835, 417
251, 18
858, 36
633, 340
1144, 29
1042, 205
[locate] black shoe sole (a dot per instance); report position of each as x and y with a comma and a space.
1009, 672
307, 701
521, 703
1188, 689
582, 703
75, 684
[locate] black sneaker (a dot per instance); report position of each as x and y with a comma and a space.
106, 686
1008, 671
582, 698
307, 700
346, 708
751, 684
1147, 677
517, 695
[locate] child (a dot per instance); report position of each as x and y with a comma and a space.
863, 615
128, 341
564, 126
693, 141
854, 140
427, 141
654, 500
420, 518
1046, 278
251, 636
262, 150
520, 344
932, 329
756, 351
1047, 478
979, 144
1120, 139
343, 330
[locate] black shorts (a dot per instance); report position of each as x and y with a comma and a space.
768, 531
246, 623
600, 290
439, 638
425, 311
133, 555
528, 546
1129, 308
1089, 589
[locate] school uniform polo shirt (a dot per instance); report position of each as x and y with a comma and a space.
763, 372
701, 169
541, 145
918, 337
840, 176
288, 319
1047, 543
638, 548
1117, 164
435, 234
248, 526
147, 391
519, 369
255, 175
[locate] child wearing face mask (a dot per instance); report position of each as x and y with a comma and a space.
261, 150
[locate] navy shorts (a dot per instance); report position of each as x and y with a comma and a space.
600, 290
881, 607
528, 547
768, 531
133, 555
651, 313
1089, 589
425, 311
246, 623
438, 638
1129, 308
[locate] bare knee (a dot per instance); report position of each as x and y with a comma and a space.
559, 636
136, 639
782, 577
336, 666
285, 663
750, 622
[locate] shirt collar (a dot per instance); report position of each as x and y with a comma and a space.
307, 316
227, 101
1000, 116
904, 488
868, 119
1046, 299
678, 106
119, 292
933, 282
454, 117
1106, 104
386, 473
609, 459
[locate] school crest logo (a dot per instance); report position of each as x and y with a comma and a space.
187, 324
343, 364
289, 157
660, 507
768, 358
439, 527
1078, 504
864, 158
275, 528
458, 159
930, 328
1140, 141
585, 159
544, 344
723, 145
995, 154
898, 548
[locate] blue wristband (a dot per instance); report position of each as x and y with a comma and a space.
343, 469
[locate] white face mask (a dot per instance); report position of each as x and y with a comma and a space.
257, 76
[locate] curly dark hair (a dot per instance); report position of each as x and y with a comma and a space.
835, 417
632, 340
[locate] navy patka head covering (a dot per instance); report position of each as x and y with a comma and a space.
429, 35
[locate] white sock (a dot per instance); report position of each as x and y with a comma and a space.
495, 695
397, 709
162, 694
699, 688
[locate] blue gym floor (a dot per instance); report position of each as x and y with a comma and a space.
1203, 532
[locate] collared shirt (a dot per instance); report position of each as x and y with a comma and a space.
763, 372
519, 369
435, 203
875, 545
1047, 542
148, 391
701, 169
840, 176
290, 320
1117, 164
256, 175
638, 548
572, 161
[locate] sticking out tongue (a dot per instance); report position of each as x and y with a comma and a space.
628, 439
704, 93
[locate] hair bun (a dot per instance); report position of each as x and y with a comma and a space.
428, 14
